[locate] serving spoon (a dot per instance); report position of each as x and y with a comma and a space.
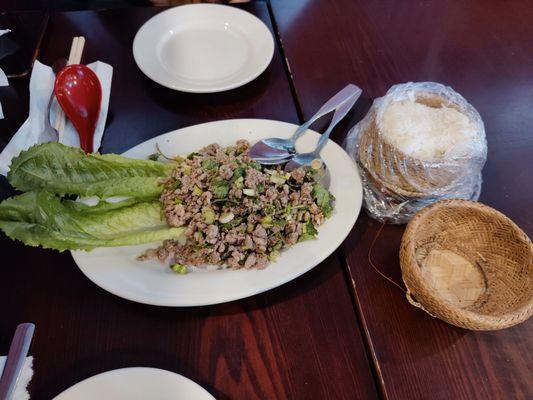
312, 158
79, 93
273, 151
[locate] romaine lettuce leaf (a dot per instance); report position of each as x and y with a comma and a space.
67, 170
39, 218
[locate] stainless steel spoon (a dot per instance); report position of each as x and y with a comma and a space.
273, 151
313, 159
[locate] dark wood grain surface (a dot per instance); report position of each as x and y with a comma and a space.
485, 51
299, 341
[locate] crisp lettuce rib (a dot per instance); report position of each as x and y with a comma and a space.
67, 170
39, 218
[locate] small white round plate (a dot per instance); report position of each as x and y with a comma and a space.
117, 270
136, 384
203, 48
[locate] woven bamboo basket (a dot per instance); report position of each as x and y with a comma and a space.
402, 173
469, 265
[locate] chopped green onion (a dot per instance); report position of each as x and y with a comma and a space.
197, 191
266, 221
179, 268
273, 256
208, 215
239, 182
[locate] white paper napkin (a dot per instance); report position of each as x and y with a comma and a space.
41, 87
3, 77
21, 391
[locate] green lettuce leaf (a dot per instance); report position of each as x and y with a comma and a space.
310, 232
67, 170
39, 218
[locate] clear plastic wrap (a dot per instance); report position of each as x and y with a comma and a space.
399, 179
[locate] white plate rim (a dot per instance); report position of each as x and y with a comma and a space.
79, 256
139, 58
90, 380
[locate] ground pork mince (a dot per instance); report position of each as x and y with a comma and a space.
238, 213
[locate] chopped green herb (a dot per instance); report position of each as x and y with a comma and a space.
278, 245
220, 189
309, 232
255, 165
323, 199
175, 185
279, 222
154, 157
209, 164
233, 223
192, 155
269, 209
260, 188
238, 173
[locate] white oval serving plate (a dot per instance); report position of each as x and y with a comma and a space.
136, 384
117, 270
203, 48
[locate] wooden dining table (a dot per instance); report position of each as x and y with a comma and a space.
340, 331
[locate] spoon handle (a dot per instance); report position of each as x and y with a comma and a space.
337, 117
332, 104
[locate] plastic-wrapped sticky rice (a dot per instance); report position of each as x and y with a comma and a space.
419, 143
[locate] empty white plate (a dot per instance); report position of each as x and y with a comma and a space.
203, 48
136, 384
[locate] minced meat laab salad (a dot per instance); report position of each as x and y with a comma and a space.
216, 206
237, 213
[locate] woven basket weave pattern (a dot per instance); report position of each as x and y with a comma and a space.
491, 242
